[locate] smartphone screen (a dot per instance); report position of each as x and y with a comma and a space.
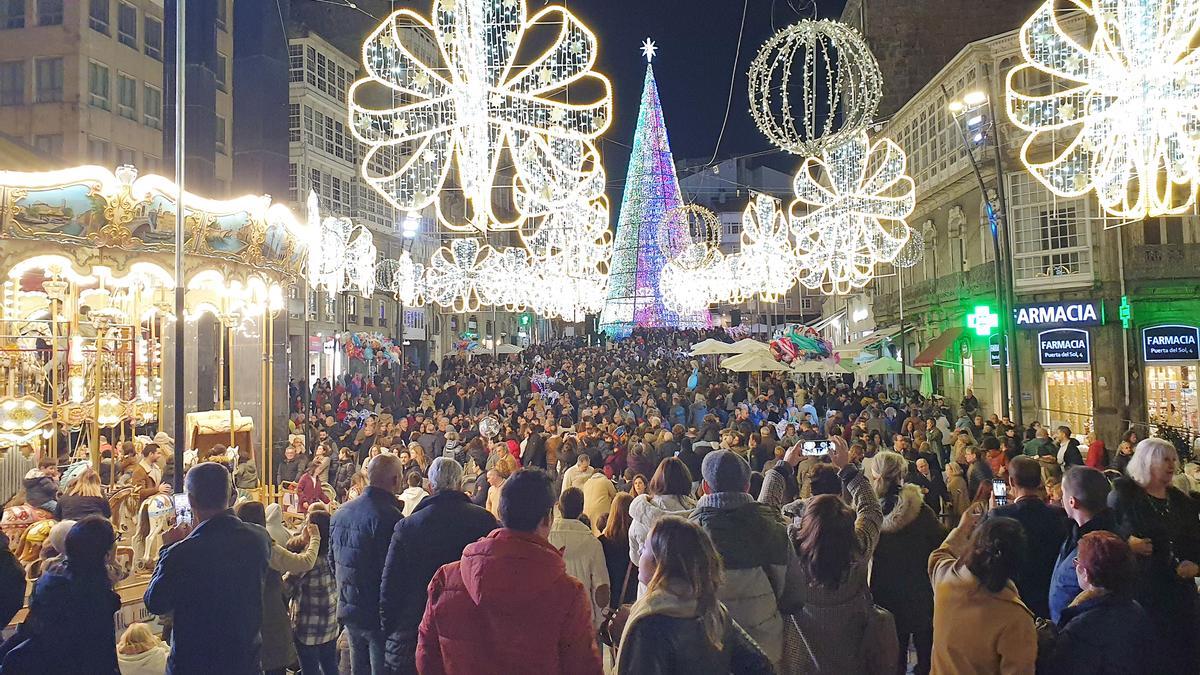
1000, 491
816, 448
183, 509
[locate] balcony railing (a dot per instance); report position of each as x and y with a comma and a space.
950, 289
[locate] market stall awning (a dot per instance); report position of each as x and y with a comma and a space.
711, 346
753, 362
855, 346
938, 347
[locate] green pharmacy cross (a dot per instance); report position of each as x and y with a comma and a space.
983, 321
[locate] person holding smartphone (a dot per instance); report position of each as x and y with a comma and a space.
1045, 528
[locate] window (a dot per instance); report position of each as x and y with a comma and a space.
382, 313
152, 106
312, 305
98, 15
222, 15
293, 186
222, 68
294, 122
49, 75
127, 25
50, 12
1051, 236
352, 308
219, 134
1159, 231
12, 83
97, 151
152, 36
98, 85
49, 144
330, 306
152, 164
127, 96
13, 13
295, 63
126, 156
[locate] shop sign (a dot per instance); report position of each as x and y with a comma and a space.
1064, 347
1170, 343
994, 350
314, 344
1059, 314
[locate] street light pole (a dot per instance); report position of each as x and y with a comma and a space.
180, 227
1010, 293
1001, 295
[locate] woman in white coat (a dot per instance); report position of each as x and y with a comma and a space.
669, 495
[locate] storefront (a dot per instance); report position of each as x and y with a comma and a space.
1171, 354
1062, 334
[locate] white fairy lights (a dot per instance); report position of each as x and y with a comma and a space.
477, 104
849, 213
840, 82
1123, 115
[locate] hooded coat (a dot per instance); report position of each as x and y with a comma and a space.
899, 580
753, 542
274, 526
508, 606
645, 510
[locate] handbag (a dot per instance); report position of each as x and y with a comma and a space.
613, 622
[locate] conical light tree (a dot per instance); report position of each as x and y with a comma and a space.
651, 196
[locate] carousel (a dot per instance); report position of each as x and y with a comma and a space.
87, 320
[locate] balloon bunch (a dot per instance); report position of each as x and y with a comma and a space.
801, 343
370, 347
467, 342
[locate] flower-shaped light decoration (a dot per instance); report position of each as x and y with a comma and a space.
576, 238
360, 262
504, 277
767, 254
851, 216
486, 95
453, 275
328, 248
1122, 117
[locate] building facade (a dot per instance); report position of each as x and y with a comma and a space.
1074, 359
84, 82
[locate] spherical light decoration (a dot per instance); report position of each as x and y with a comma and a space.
1122, 116
691, 232
849, 212
839, 89
489, 427
913, 250
476, 107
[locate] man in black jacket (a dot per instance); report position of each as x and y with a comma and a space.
210, 576
435, 534
1045, 529
359, 535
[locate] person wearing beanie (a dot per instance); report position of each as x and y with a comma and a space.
753, 542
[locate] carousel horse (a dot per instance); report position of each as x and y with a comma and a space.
18, 518
123, 505
154, 518
29, 549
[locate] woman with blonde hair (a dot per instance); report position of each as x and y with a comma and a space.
84, 497
680, 626
140, 652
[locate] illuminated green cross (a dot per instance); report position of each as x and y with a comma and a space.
983, 321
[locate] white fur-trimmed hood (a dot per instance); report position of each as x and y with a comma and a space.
908, 506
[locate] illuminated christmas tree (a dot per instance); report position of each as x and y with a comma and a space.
651, 195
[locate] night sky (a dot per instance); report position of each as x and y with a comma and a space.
696, 39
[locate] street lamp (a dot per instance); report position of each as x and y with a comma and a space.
974, 116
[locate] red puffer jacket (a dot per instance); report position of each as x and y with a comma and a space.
507, 607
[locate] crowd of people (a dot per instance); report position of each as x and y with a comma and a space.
631, 509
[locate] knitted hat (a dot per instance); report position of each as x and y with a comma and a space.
725, 471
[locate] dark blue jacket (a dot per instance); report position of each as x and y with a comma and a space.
213, 582
435, 534
1045, 528
1064, 583
1104, 635
69, 628
359, 535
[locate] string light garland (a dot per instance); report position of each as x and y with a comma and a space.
849, 212
1123, 115
453, 275
475, 105
913, 250
841, 86
767, 255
